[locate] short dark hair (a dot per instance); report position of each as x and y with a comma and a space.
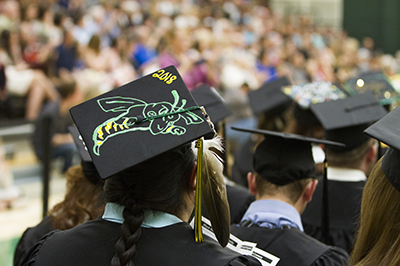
293, 190
352, 158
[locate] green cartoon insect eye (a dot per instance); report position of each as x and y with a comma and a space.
151, 113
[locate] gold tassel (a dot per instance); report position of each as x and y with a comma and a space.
197, 211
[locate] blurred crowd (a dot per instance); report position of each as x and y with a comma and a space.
232, 45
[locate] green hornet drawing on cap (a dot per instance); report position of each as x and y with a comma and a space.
169, 114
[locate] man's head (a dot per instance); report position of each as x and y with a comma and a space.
344, 121
284, 168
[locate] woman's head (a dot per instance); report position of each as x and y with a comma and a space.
157, 184
378, 237
82, 201
161, 184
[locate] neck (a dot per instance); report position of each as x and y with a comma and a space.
299, 205
278, 197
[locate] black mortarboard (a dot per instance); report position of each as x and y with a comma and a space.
306, 95
213, 102
344, 120
374, 82
387, 130
80, 144
139, 120
282, 158
88, 168
269, 98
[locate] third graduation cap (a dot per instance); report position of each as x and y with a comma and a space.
387, 130
269, 98
282, 158
139, 121
308, 94
215, 105
344, 120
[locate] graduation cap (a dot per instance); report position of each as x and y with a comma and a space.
139, 120
88, 168
147, 118
213, 102
374, 82
269, 98
308, 94
387, 130
282, 158
344, 120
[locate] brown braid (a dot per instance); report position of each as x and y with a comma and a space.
131, 231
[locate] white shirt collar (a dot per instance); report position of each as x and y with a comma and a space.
152, 219
346, 174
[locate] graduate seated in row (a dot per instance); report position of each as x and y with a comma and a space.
344, 121
283, 183
141, 137
82, 202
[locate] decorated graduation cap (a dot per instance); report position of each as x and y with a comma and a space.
387, 130
213, 102
147, 118
374, 82
345, 120
283, 158
139, 120
306, 95
88, 168
269, 98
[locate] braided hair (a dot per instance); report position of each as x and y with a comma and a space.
157, 184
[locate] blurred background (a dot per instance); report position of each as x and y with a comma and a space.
68, 51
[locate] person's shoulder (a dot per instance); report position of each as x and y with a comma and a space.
334, 256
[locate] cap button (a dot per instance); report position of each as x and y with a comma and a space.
139, 119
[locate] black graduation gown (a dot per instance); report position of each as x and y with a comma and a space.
93, 243
344, 209
292, 246
30, 237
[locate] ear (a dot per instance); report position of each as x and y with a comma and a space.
193, 177
372, 153
309, 190
251, 180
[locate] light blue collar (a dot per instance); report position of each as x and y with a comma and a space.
273, 214
152, 219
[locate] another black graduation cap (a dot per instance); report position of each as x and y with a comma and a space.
139, 120
213, 102
88, 168
269, 98
374, 82
282, 158
345, 120
387, 130
308, 94
83, 152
